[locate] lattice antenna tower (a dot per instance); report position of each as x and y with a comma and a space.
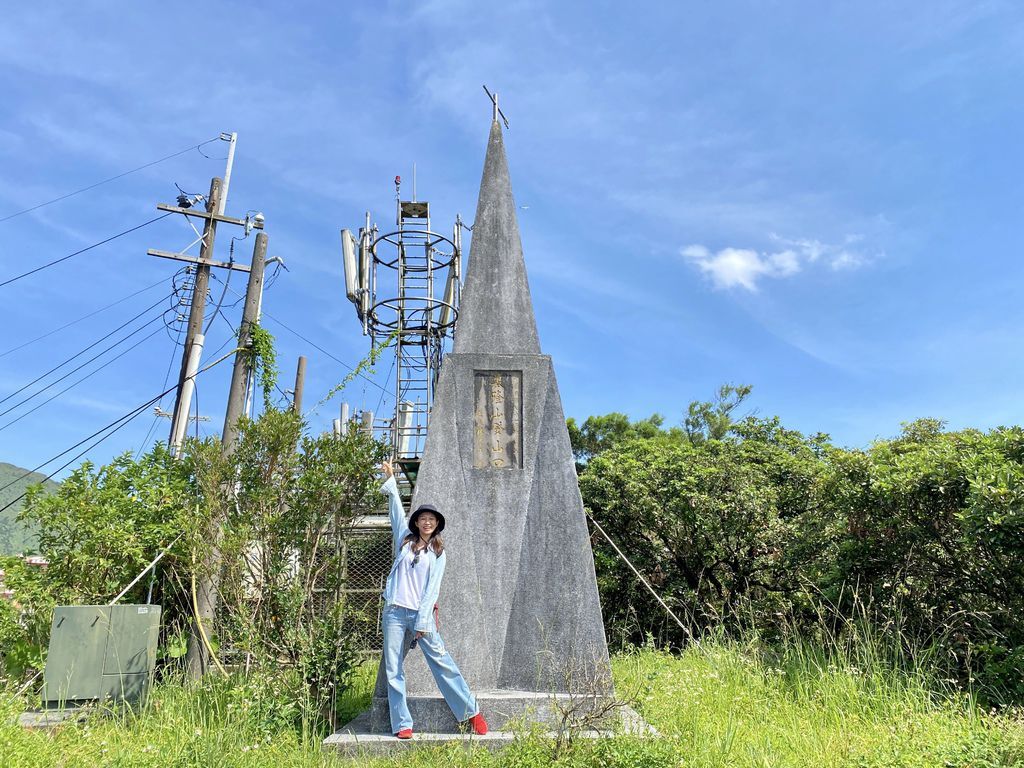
406, 283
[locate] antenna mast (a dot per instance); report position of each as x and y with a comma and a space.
395, 280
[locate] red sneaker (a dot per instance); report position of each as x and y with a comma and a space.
406, 733
478, 723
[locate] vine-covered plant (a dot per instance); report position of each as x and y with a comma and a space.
263, 360
363, 366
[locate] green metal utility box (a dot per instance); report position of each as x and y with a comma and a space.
101, 652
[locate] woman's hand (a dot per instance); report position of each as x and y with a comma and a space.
420, 634
386, 467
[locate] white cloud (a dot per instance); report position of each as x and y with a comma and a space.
729, 267
847, 260
744, 268
785, 263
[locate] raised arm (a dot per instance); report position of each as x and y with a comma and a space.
399, 530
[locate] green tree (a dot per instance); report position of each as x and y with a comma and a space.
103, 525
713, 420
295, 498
934, 535
716, 526
599, 433
287, 499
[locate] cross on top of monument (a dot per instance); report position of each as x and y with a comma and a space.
497, 111
495, 311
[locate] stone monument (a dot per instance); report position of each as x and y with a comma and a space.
519, 608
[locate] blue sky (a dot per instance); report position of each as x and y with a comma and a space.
819, 199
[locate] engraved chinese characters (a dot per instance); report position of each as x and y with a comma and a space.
498, 420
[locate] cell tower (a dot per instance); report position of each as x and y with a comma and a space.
393, 281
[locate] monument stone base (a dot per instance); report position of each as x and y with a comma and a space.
509, 714
502, 709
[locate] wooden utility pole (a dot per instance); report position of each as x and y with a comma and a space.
208, 578
202, 264
300, 381
179, 417
243, 362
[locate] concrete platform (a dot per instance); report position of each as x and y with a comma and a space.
502, 708
44, 719
360, 737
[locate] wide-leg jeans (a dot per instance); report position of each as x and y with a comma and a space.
399, 631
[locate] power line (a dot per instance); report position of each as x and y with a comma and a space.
105, 181
264, 313
80, 367
167, 375
76, 253
179, 300
91, 373
89, 346
83, 317
387, 381
120, 422
317, 346
223, 293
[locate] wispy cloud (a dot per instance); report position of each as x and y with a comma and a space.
744, 267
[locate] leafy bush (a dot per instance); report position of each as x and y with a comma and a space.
715, 525
267, 517
768, 529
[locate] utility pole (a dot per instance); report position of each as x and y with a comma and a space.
243, 362
232, 140
300, 381
214, 214
208, 578
183, 395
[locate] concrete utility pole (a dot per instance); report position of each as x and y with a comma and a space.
182, 404
208, 579
214, 213
300, 382
232, 139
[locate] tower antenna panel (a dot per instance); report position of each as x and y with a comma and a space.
406, 283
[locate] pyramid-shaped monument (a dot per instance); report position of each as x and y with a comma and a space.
519, 608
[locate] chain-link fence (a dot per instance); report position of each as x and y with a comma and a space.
365, 559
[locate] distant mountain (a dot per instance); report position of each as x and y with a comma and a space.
16, 537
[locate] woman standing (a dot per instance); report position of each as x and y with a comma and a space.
410, 603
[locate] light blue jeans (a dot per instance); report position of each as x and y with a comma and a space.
399, 631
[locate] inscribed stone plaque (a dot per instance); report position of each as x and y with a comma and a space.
498, 420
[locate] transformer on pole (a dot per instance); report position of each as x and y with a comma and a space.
406, 283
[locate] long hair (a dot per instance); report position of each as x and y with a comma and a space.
436, 543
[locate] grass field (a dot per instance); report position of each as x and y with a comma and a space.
720, 704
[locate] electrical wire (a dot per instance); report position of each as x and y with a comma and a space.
83, 250
313, 344
384, 392
80, 367
91, 373
195, 397
317, 346
81, 352
167, 376
114, 426
223, 293
112, 178
180, 297
228, 340
83, 317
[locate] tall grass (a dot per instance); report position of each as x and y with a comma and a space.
840, 702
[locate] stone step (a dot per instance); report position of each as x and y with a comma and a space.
358, 738
501, 709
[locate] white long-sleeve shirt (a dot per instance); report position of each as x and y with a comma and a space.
431, 589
